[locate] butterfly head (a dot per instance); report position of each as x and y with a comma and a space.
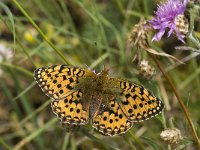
104, 73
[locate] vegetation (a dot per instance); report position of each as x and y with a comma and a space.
96, 34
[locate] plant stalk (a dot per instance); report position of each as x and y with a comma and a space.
40, 31
186, 113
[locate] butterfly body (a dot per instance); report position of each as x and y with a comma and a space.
111, 104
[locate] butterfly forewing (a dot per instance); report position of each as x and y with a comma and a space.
56, 81
136, 102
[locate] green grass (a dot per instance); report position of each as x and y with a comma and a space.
92, 33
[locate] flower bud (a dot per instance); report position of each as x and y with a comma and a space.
171, 135
146, 70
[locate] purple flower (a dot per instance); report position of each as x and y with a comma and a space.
166, 18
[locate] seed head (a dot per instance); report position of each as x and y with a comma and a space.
146, 70
138, 36
171, 135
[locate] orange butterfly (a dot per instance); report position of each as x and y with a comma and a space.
80, 95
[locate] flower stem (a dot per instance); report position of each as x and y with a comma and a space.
40, 31
180, 102
194, 40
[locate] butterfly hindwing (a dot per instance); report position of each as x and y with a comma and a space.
70, 127
111, 120
70, 109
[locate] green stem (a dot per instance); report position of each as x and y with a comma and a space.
180, 101
194, 40
34, 134
17, 68
4, 144
137, 140
40, 31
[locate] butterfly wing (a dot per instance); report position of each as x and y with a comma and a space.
136, 102
111, 121
70, 127
59, 80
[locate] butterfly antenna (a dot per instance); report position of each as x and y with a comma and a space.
104, 67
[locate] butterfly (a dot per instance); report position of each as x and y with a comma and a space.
80, 95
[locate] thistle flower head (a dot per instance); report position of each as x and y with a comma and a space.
166, 17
